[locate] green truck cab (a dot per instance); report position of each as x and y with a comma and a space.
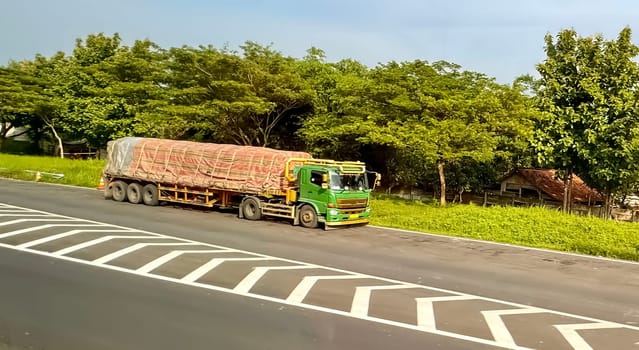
339, 192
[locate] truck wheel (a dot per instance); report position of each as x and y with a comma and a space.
150, 195
308, 217
251, 209
119, 189
134, 193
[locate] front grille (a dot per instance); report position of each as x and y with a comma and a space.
352, 203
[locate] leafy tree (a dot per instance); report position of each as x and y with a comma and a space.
588, 92
25, 99
18, 94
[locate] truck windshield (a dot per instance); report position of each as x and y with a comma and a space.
348, 182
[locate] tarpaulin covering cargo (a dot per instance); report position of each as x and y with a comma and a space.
206, 165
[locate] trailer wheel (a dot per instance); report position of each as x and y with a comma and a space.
150, 195
119, 189
308, 217
134, 193
251, 209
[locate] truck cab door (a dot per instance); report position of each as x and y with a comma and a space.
314, 188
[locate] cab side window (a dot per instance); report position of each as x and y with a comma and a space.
316, 177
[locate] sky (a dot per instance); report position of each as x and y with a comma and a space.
500, 38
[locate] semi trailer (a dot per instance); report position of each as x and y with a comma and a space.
257, 181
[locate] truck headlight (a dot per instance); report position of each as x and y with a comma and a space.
332, 212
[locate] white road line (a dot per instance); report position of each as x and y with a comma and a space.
62, 235
213, 263
11, 210
18, 221
76, 247
569, 331
497, 326
304, 287
174, 254
42, 227
362, 297
426, 311
302, 305
263, 297
131, 249
25, 214
251, 279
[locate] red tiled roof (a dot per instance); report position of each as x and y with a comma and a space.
547, 181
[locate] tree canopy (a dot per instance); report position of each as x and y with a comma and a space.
421, 124
588, 93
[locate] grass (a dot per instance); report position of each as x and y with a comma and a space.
533, 227
84, 173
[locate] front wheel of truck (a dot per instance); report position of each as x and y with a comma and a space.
308, 217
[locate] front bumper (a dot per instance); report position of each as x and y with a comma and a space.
346, 222
337, 217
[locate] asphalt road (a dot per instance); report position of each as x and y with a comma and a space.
62, 289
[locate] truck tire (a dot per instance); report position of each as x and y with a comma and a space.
251, 209
119, 189
134, 193
150, 195
308, 217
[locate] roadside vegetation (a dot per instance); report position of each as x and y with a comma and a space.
431, 125
85, 173
532, 227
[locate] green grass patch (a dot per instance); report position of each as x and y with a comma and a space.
84, 173
533, 227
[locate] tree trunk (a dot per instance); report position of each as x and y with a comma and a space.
442, 182
607, 206
57, 137
570, 193
564, 207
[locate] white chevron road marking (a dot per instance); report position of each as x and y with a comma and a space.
303, 288
62, 235
213, 263
362, 298
426, 311
359, 309
52, 219
43, 227
569, 331
251, 279
93, 242
497, 326
152, 265
105, 259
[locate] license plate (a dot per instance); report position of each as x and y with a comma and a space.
353, 216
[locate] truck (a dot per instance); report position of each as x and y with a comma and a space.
257, 181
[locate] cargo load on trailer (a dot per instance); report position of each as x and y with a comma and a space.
259, 181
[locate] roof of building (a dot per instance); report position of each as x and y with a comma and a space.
548, 182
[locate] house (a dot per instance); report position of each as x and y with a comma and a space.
544, 184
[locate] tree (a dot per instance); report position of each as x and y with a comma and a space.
588, 92
19, 93
25, 100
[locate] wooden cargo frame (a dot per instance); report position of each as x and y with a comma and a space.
223, 198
